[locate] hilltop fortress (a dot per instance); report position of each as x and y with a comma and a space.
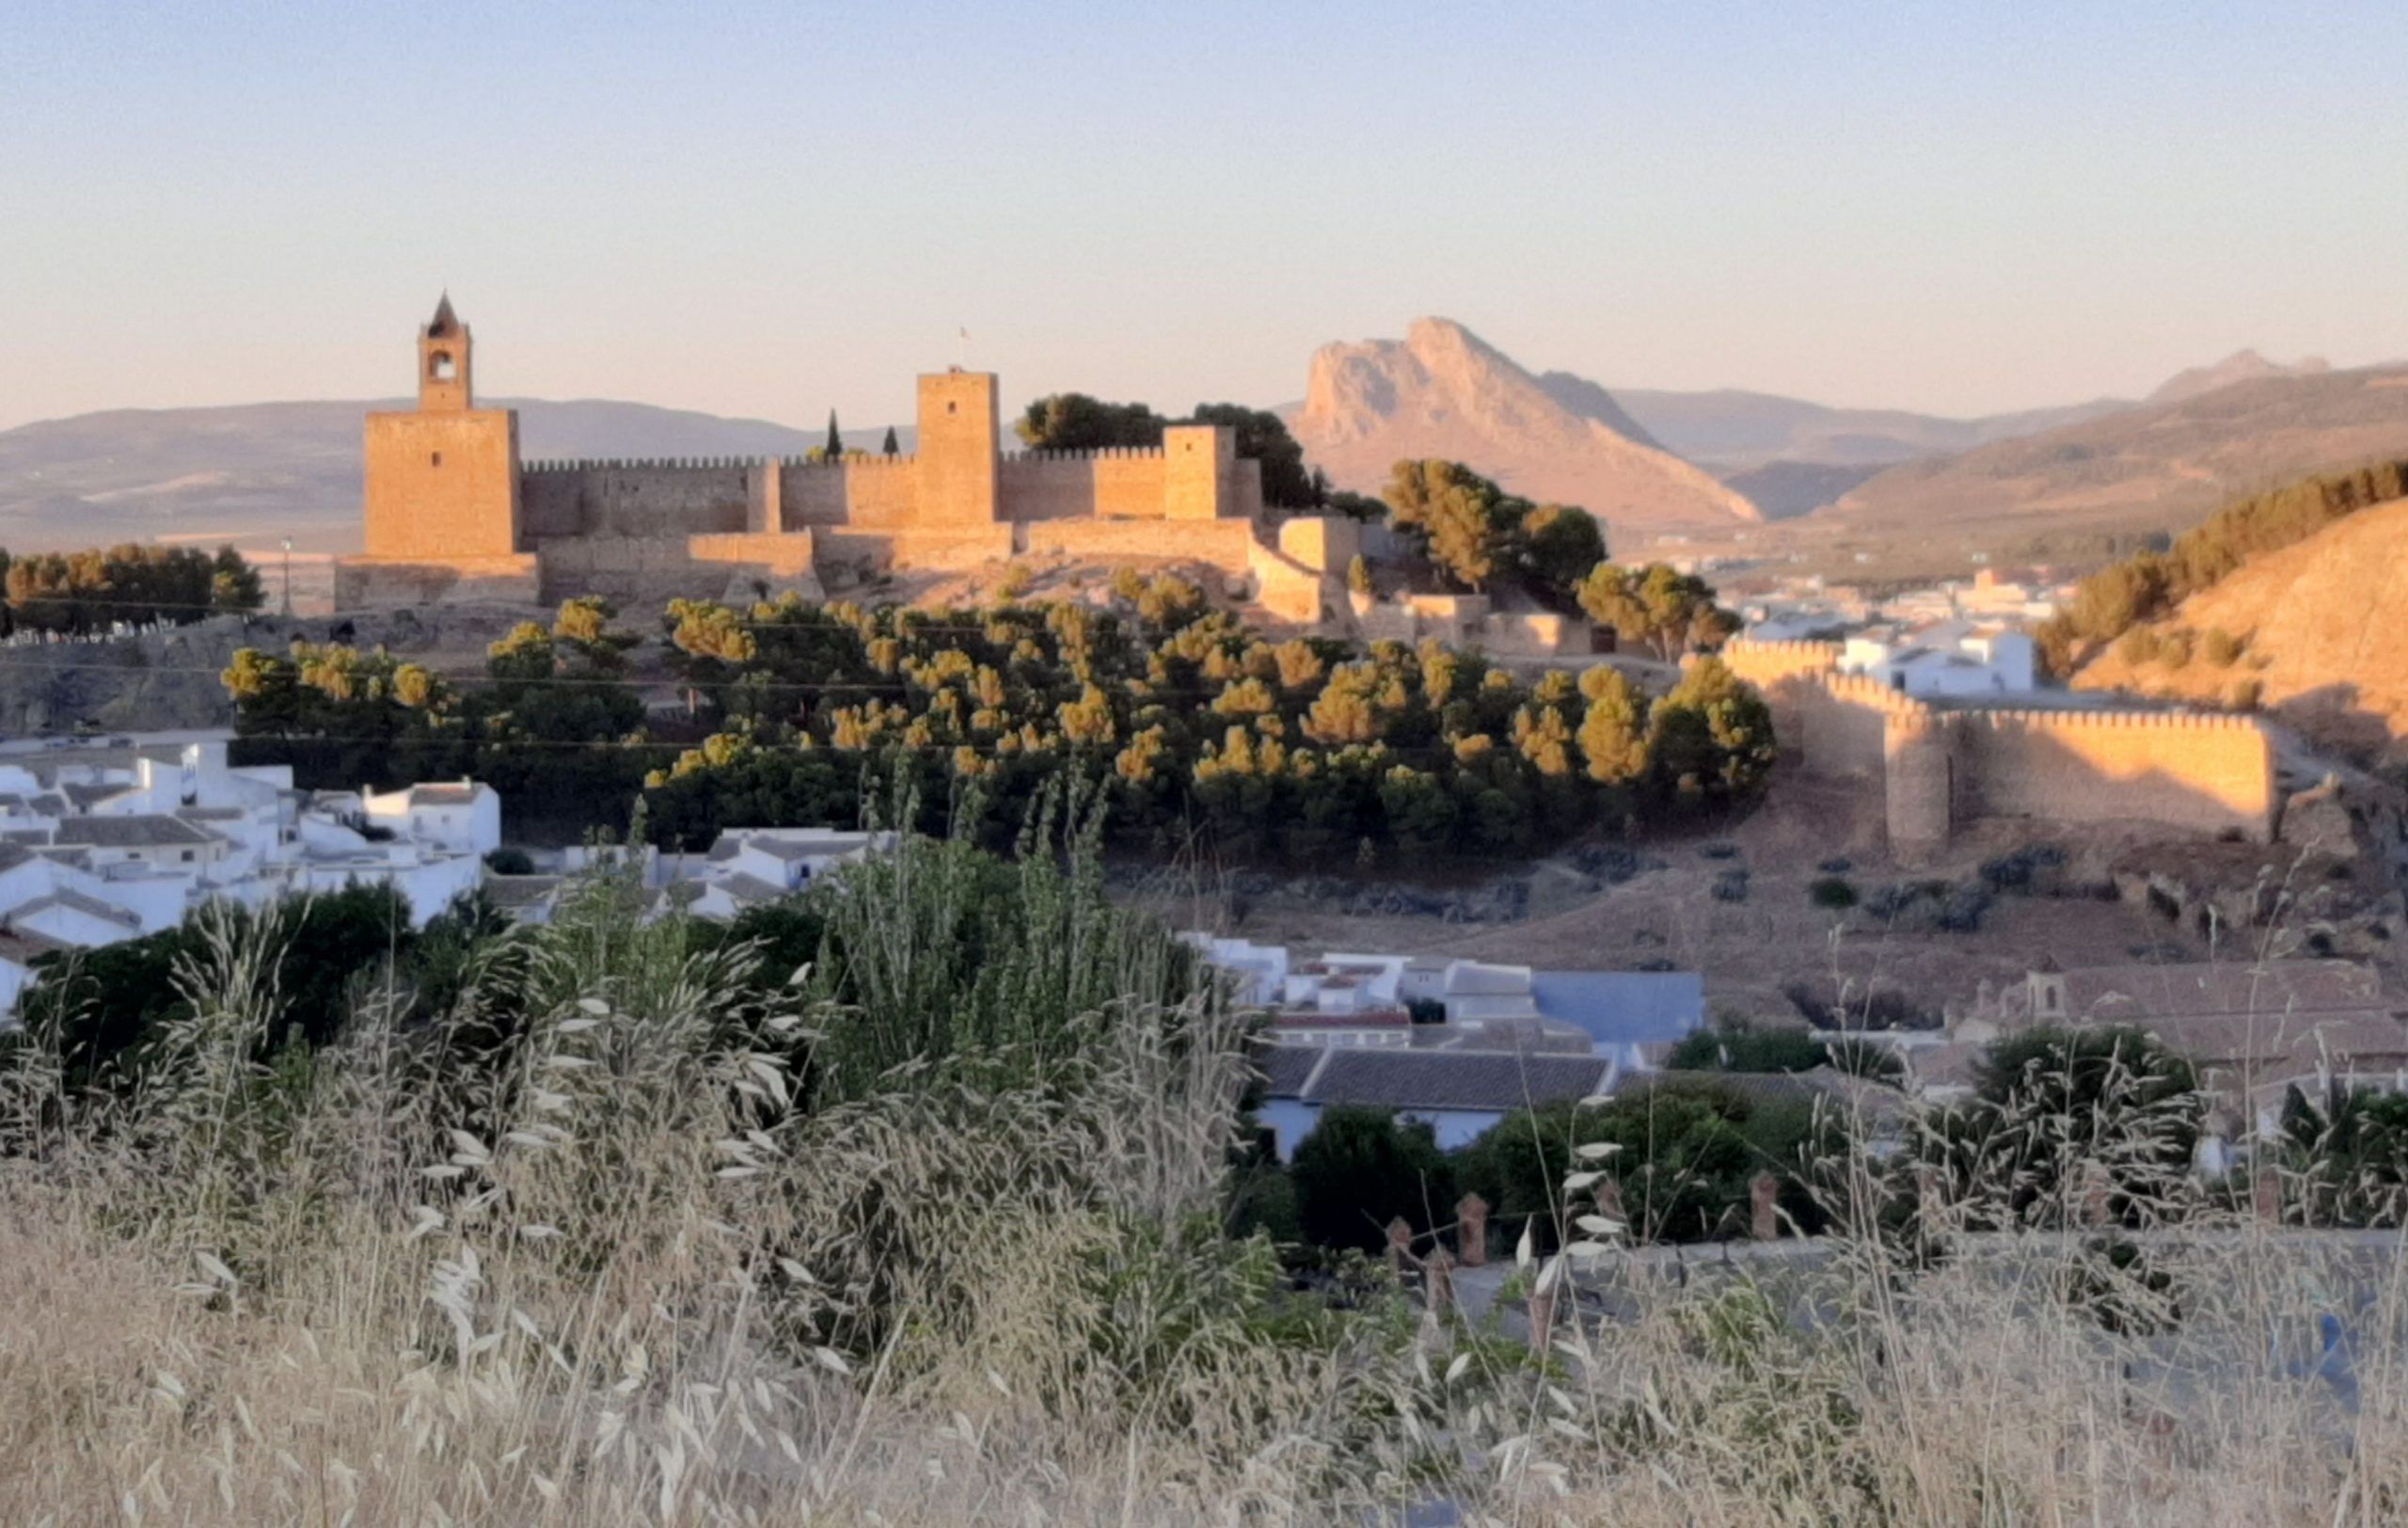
1941, 768
454, 515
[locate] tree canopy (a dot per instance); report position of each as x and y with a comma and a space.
1075, 422
1657, 607
1476, 533
135, 584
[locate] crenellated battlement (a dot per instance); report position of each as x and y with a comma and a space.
1748, 646
642, 464
1102, 454
1860, 689
2122, 721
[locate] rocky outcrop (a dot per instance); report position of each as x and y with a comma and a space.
1443, 392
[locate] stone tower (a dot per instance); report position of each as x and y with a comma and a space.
442, 479
443, 349
959, 452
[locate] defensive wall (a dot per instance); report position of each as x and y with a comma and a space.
446, 495
1942, 768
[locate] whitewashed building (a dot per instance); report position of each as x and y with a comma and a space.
111, 840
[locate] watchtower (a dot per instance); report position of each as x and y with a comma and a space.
443, 349
960, 446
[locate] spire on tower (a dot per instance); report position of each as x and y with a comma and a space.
445, 322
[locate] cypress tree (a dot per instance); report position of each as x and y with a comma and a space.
894, 448
836, 438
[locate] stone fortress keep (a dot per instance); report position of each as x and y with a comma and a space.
454, 515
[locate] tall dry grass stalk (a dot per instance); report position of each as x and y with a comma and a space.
597, 1236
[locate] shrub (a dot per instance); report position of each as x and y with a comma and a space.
1832, 893
1360, 1169
2137, 647
510, 860
2220, 648
1746, 1050
1730, 886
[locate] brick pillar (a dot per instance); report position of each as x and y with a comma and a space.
1542, 1316
2097, 1188
1609, 1200
1471, 1229
2266, 1196
1438, 1289
1399, 1246
1764, 1198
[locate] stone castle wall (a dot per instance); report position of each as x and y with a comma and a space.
372, 584
445, 488
2212, 774
1069, 485
1938, 768
637, 498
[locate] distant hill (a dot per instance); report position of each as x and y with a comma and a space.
2150, 468
2325, 645
1735, 431
2241, 366
255, 473
1444, 392
1786, 490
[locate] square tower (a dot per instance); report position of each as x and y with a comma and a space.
442, 479
1199, 473
959, 449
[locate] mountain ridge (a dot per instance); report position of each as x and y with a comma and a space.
1444, 392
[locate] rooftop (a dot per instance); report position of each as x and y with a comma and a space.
140, 831
1439, 1079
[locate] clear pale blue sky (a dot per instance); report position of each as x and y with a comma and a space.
771, 210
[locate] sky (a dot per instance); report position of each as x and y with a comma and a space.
772, 210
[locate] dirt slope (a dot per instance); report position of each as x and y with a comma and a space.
2326, 629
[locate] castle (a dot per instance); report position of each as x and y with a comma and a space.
1940, 767
454, 515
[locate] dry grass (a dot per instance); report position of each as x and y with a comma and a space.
621, 1274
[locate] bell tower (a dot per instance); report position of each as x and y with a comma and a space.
442, 479
443, 362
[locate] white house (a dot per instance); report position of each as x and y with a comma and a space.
749, 866
105, 842
457, 816
1944, 658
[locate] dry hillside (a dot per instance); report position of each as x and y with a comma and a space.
2321, 625
2159, 466
1443, 392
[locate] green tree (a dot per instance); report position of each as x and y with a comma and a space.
1075, 422
836, 446
1711, 737
1463, 523
1681, 1155
1659, 608
892, 447
1613, 727
1262, 435
1561, 545
234, 583
2056, 1109
1361, 1169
